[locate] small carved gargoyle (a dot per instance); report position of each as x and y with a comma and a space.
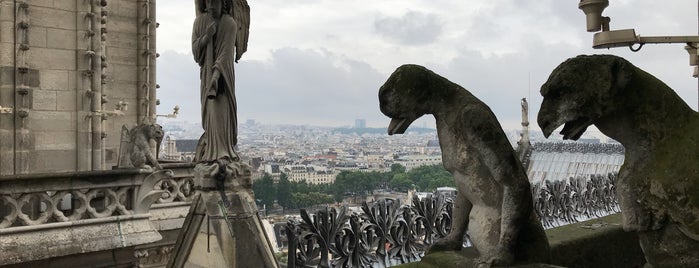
658, 185
494, 200
139, 146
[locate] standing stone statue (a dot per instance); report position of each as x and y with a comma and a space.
494, 199
219, 38
223, 228
658, 185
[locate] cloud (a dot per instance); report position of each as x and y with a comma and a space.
321, 61
413, 28
295, 86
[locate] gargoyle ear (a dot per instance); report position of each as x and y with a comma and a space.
621, 73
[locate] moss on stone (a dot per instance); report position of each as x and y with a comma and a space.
595, 243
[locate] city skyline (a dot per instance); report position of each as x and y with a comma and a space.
314, 63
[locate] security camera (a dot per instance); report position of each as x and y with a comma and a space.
593, 11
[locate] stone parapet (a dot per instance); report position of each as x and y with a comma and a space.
53, 215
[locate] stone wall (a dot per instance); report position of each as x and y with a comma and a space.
53, 48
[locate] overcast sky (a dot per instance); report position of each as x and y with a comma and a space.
321, 62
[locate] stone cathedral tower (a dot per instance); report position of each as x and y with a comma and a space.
72, 72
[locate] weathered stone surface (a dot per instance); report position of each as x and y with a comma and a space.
44, 100
6, 32
52, 121
55, 140
57, 59
81, 236
53, 18
60, 38
494, 199
123, 72
658, 184
236, 229
54, 79
6, 54
66, 101
37, 36
6, 10
52, 160
600, 243
6, 78
42, 3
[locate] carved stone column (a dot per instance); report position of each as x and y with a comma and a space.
223, 231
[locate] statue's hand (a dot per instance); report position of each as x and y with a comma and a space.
211, 30
213, 88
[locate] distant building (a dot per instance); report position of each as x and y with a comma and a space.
250, 122
360, 123
563, 160
413, 161
309, 174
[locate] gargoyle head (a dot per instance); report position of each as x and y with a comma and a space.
580, 91
406, 96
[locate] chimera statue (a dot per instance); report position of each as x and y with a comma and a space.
494, 200
658, 186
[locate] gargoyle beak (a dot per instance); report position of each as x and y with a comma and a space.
572, 130
547, 124
398, 125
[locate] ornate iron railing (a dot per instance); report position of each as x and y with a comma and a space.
575, 199
384, 234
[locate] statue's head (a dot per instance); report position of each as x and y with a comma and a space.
215, 7
580, 91
404, 96
156, 131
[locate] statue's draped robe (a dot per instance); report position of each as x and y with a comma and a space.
218, 115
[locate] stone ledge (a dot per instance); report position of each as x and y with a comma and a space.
31, 243
595, 243
599, 242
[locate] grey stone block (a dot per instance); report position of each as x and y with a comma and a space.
6, 75
52, 161
55, 140
66, 101
124, 72
126, 56
65, 5
28, 77
54, 18
44, 100
41, 3
118, 23
60, 38
6, 31
57, 59
54, 79
127, 40
52, 121
37, 37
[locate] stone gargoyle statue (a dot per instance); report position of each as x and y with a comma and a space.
139, 146
494, 200
658, 185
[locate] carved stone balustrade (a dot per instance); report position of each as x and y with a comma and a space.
51, 215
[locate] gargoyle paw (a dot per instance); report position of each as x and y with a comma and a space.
501, 258
446, 244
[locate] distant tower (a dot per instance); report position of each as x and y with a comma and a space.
525, 121
524, 145
360, 123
